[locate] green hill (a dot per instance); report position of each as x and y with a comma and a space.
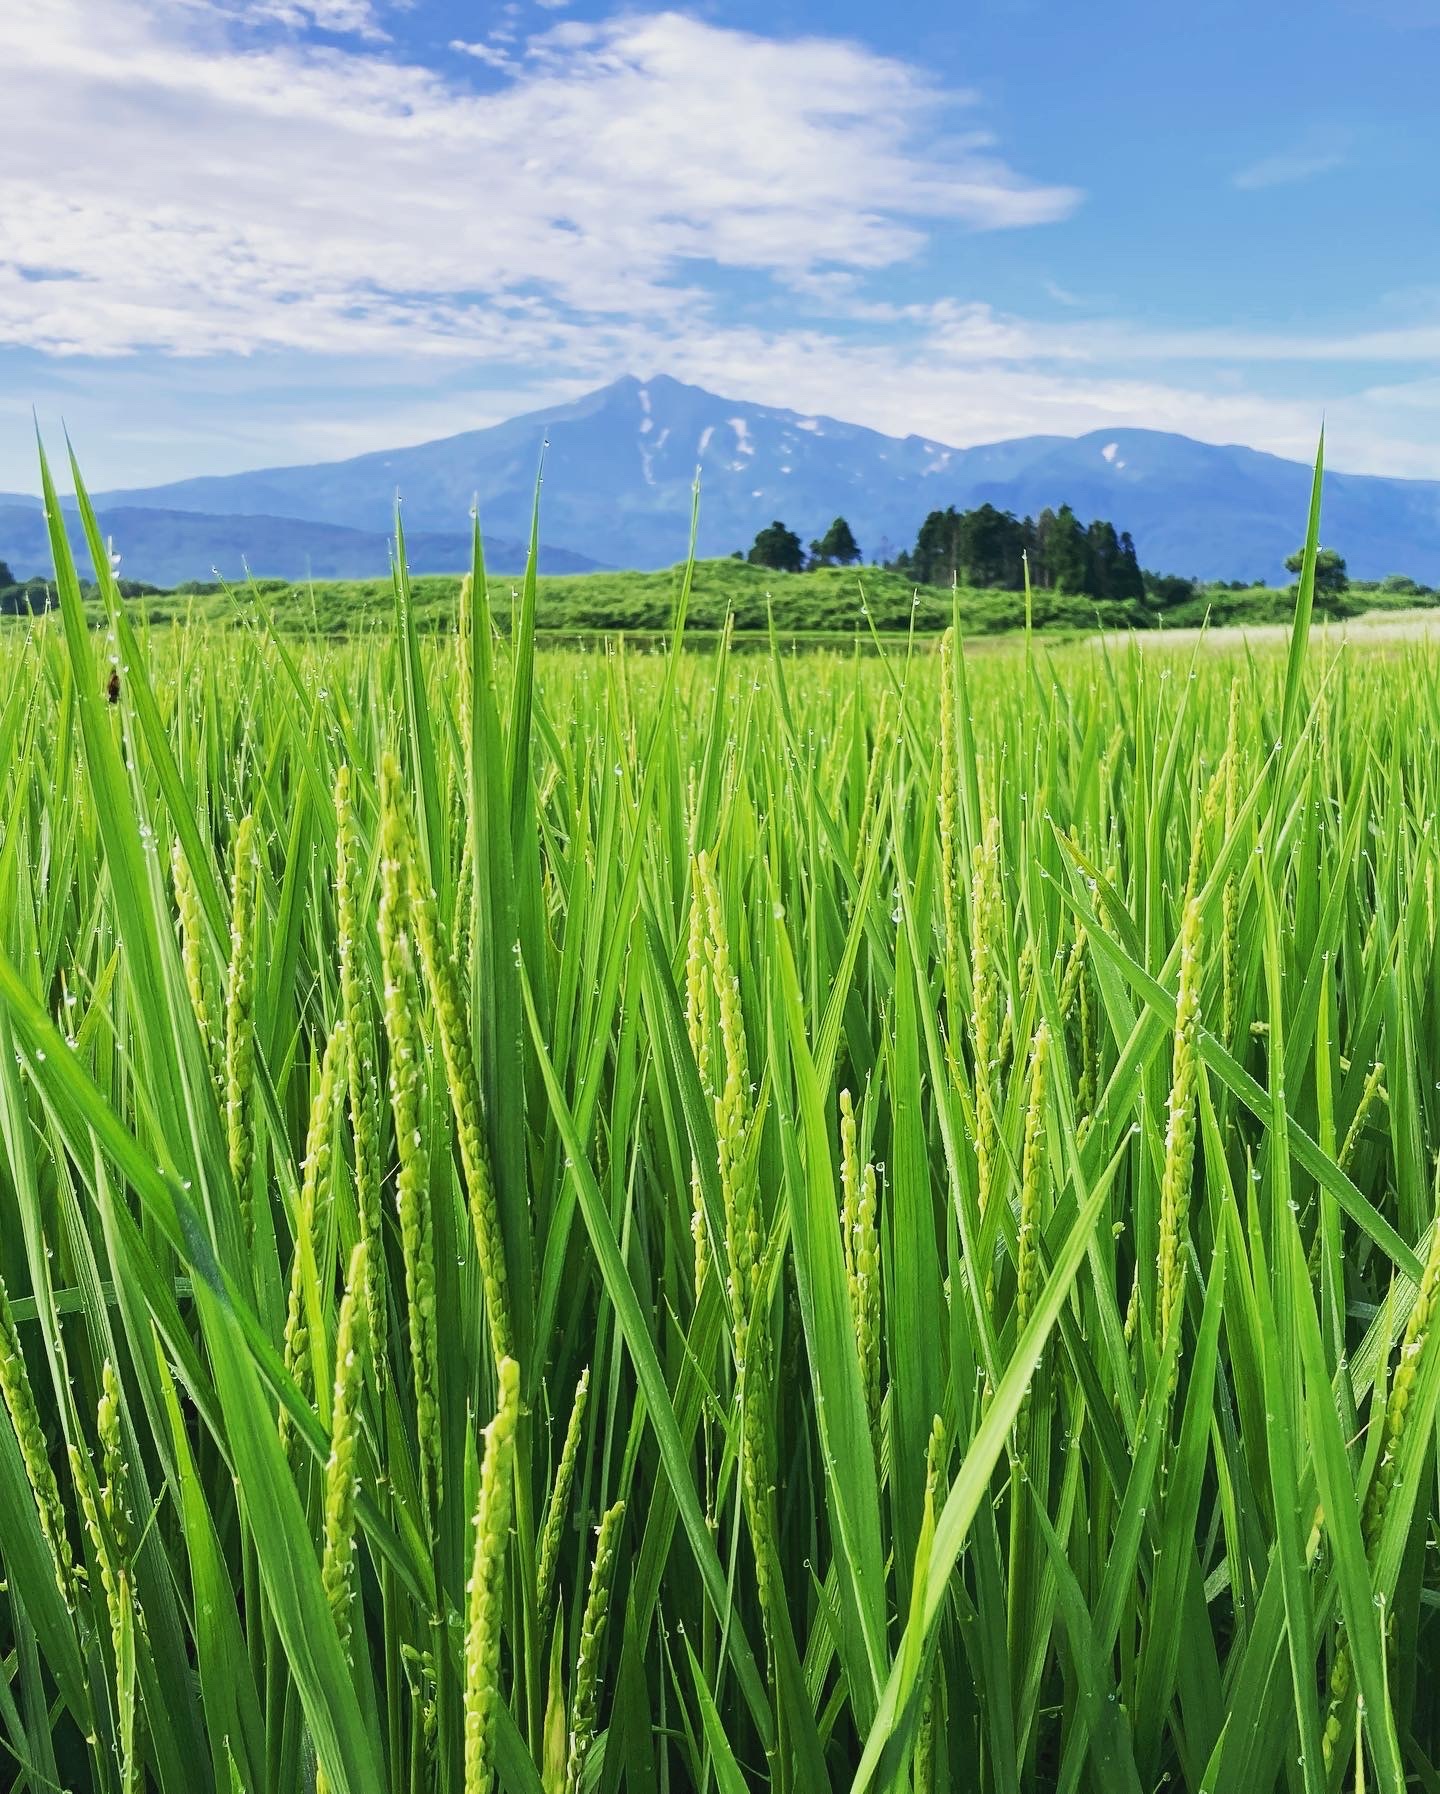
828, 601
832, 601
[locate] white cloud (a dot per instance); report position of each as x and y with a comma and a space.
490, 54
954, 374
216, 192
344, 17
952, 397
211, 192
1417, 341
1062, 295
1288, 167
135, 427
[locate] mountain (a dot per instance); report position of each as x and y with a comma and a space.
620, 463
1221, 513
165, 547
618, 473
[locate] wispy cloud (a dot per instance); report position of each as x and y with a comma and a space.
492, 55
357, 18
1289, 166
1062, 295
957, 373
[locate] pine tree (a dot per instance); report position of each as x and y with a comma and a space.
1067, 553
1129, 582
778, 547
937, 549
1102, 555
836, 548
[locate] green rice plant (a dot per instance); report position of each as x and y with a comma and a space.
558, 1506
239, 1021
443, 984
592, 1646
107, 1523
192, 929
1179, 1135
359, 1052
486, 1587
985, 954
699, 1025
901, 1123
401, 1013
342, 1474
314, 1189
24, 1415
862, 1260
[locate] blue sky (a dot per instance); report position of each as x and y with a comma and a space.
249, 232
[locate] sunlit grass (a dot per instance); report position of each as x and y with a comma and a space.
723, 1222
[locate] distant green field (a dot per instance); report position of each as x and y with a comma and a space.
829, 601
825, 604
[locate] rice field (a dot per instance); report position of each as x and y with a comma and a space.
597, 1220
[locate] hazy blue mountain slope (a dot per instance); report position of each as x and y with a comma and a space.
167, 547
620, 464
1223, 513
619, 468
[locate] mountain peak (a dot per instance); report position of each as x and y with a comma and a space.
622, 459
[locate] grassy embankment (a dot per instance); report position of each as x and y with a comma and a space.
833, 602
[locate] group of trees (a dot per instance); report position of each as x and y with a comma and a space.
18, 597
780, 548
985, 548
27, 597
1332, 576
988, 548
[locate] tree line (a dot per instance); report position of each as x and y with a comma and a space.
778, 547
20, 596
28, 597
984, 547
991, 548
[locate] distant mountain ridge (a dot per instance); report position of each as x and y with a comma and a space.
168, 547
620, 463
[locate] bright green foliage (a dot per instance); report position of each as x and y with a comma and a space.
824, 604
1054, 1410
